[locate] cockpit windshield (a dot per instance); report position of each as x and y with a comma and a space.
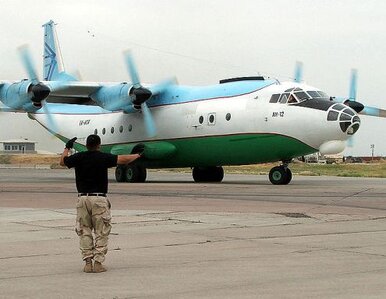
297, 95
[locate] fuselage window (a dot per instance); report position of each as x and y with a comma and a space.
201, 119
103, 131
112, 130
228, 117
211, 119
121, 129
130, 128
274, 98
96, 131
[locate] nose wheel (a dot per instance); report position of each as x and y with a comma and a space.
280, 175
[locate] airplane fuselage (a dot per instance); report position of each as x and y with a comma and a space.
224, 124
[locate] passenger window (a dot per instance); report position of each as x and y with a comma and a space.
274, 98
103, 131
212, 119
121, 129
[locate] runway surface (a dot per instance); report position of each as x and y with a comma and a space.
319, 237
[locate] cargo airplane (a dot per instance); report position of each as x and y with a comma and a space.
239, 121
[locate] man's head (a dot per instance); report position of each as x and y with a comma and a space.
93, 142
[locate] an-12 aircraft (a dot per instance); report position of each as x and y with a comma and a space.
239, 121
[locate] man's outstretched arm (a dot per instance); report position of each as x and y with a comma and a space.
126, 159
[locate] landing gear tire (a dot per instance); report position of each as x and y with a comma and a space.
135, 174
120, 173
208, 174
280, 175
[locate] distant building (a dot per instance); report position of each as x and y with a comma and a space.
17, 146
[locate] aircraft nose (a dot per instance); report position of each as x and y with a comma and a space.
349, 121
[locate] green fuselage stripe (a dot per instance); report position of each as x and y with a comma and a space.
239, 149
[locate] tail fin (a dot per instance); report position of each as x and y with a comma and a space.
53, 62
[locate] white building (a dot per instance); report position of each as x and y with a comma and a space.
17, 146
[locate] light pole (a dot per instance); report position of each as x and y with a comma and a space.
372, 146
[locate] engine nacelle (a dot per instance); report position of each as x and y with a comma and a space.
16, 95
114, 97
24, 95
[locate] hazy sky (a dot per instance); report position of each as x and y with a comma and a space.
202, 41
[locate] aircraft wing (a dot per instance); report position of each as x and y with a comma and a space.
73, 89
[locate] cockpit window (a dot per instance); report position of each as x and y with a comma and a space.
296, 95
301, 95
283, 98
313, 94
274, 98
324, 95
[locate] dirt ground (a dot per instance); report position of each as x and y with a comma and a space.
30, 159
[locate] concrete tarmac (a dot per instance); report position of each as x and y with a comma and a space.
319, 237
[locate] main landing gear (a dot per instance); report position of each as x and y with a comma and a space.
280, 175
208, 174
130, 173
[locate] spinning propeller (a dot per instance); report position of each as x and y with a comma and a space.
298, 71
39, 90
140, 95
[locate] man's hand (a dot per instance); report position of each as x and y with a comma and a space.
138, 149
70, 143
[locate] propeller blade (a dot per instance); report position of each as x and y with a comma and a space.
373, 111
51, 124
28, 64
149, 122
298, 72
131, 68
353, 85
350, 142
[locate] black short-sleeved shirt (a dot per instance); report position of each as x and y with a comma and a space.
91, 170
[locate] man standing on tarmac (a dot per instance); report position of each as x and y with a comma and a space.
93, 207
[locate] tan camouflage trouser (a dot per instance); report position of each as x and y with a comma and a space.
93, 213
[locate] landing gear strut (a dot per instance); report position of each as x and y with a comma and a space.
130, 173
208, 174
280, 175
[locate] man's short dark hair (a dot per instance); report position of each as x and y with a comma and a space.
93, 141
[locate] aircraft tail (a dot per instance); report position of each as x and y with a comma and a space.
53, 67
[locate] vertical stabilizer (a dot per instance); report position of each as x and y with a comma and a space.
53, 62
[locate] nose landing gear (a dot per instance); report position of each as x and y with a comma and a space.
280, 175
